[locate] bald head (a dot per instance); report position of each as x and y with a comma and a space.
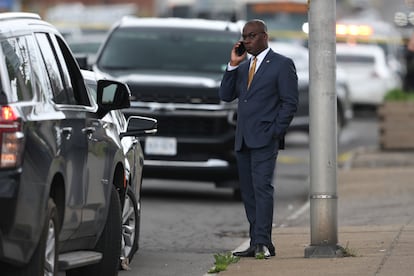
255, 36
257, 24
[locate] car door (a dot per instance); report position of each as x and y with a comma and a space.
83, 143
102, 155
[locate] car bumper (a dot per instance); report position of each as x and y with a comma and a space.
215, 170
20, 219
194, 144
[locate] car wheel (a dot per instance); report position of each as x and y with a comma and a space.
130, 228
44, 259
109, 243
50, 239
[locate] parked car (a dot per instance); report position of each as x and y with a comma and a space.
373, 31
300, 57
369, 75
174, 67
63, 166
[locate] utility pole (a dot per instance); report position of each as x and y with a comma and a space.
323, 131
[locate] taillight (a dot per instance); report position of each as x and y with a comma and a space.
11, 138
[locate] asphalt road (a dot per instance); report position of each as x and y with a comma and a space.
185, 223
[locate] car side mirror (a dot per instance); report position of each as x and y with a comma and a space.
140, 126
112, 95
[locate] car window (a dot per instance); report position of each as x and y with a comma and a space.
40, 83
168, 49
61, 94
356, 65
16, 54
74, 75
66, 87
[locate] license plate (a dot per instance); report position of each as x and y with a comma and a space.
161, 146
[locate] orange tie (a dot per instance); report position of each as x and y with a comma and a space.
251, 72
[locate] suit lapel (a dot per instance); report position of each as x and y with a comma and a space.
244, 71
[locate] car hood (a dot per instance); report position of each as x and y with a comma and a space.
170, 87
168, 77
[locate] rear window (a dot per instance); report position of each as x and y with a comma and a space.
355, 59
168, 49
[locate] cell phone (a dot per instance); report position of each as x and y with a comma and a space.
241, 49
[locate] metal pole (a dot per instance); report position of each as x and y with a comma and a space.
323, 132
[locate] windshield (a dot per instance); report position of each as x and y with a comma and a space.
168, 49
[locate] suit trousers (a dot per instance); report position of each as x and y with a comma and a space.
256, 169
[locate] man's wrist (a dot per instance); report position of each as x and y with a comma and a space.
231, 67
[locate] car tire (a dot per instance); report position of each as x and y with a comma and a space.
109, 243
45, 257
130, 228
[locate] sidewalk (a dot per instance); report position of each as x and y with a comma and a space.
375, 222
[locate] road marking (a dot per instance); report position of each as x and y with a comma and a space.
305, 207
243, 246
286, 159
342, 158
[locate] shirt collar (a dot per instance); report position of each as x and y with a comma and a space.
262, 54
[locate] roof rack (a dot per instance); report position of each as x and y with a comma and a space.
19, 15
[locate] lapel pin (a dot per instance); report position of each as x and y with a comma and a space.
267, 61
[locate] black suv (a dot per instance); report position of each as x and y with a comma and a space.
63, 167
174, 67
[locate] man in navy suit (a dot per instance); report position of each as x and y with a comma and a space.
266, 106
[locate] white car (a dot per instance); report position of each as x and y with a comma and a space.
300, 56
369, 74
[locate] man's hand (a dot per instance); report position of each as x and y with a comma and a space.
235, 59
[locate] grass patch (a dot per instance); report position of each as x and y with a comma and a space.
348, 252
222, 261
260, 256
398, 95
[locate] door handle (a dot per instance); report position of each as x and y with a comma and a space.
88, 131
66, 132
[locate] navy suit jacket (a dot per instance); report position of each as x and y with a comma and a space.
266, 109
